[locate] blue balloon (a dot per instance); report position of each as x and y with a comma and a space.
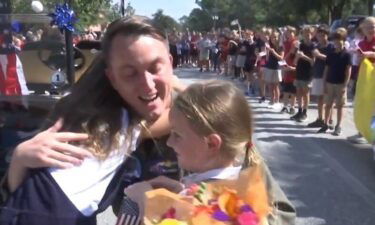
63, 17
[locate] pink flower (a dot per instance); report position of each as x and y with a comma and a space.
170, 214
247, 218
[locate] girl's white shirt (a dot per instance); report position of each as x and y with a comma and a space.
85, 185
230, 172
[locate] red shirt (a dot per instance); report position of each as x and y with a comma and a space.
290, 76
367, 46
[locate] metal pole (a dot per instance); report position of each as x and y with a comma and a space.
123, 8
69, 53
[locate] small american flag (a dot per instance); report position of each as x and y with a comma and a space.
12, 80
129, 213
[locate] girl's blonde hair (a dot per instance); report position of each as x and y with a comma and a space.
368, 20
221, 108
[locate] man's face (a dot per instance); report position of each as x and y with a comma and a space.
140, 69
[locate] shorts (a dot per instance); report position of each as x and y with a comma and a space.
289, 88
204, 55
231, 59
272, 76
302, 83
336, 93
317, 88
240, 61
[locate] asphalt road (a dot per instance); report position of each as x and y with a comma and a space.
329, 180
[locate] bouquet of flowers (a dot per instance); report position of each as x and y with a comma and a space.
243, 201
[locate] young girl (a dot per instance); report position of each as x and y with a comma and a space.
272, 73
211, 134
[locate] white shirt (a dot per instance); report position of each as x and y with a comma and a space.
85, 185
230, 172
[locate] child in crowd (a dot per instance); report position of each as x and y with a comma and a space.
323, 48
366, 50
289, 90
211, 133
304, 61
336, 78
231, 59
260, 43
272, 73
356, 60
250, 62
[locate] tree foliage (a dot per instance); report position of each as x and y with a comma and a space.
88, 11
251, 13
165, 22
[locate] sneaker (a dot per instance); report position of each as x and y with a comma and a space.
330, 124
302, 118
296, 116
323, 129
357, 139
262, 99
284, 110
292, 111
316, 124
247, 93
337, 131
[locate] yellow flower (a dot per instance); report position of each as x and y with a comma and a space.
171, 222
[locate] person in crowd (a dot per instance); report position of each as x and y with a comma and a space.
336, 79
73, 169
194, 52
272, 72
231, 59
224, 49
289, 90
185, 49
260, 42
240, 60
204, 46
356, 59
304, 60
323, 48
250, 63
199, 117
366, 49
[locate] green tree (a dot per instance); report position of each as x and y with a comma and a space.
165, 22
87, 11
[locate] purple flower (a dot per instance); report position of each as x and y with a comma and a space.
221, 216
246, 208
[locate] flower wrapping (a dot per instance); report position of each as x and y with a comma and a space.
243, 201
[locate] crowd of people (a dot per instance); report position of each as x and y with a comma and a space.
286, 66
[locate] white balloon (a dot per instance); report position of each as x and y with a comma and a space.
37, 6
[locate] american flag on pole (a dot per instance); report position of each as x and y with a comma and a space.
12, 79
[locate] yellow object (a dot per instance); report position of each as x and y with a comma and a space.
364, 108
172, 222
